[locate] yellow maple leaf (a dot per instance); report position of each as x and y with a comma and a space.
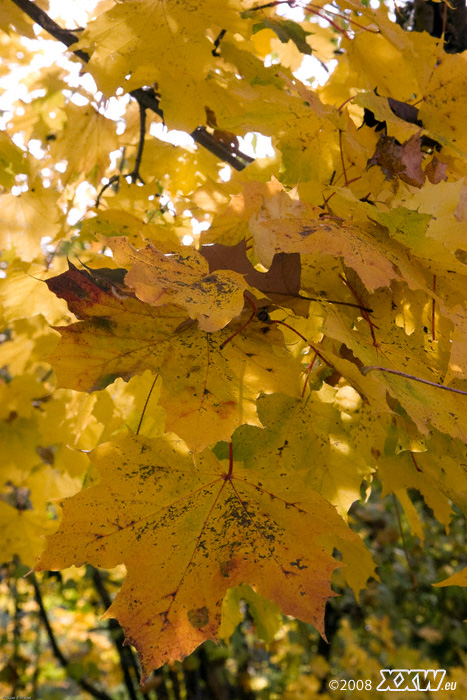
285, 224
188, 532
12, 160
85, 142
387, 344
312, 440
210, 380
142, 42
22, 533
26, 218
181, 278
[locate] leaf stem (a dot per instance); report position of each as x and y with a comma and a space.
146, 404
308, 371
239, 330
283, 323
412, 456
365, 314
230, 460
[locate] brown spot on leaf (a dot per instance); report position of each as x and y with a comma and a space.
199, 617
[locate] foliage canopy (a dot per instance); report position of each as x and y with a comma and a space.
228, 363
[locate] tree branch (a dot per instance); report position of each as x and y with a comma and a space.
41, 18
145, 98
64, 662
117, 635
135, 174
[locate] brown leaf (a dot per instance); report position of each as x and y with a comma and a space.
436, 171
400, 160
283, 277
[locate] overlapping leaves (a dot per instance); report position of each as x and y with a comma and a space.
209, 385
314, 339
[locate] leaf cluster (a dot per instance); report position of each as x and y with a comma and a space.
227, 361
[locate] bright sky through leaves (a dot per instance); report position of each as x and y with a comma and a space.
228, 352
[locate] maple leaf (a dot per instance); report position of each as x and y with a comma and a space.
187, 531
12, 159
266, 615
167, 43
287, 225
316, 334
22, 533
409, 351
209, 385
25, 218
400, 160
181, 278
85, 125
313, 441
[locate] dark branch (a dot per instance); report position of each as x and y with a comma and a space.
145, 98
126, 655
233, 157
82, 682
135, 174
41, 18
112, 181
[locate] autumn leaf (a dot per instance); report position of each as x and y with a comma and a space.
400, 160
250, 344
168, 44
188, 530
266, 615
313, 441
181, 278
85, 125
210, 382
25, 218
22, 533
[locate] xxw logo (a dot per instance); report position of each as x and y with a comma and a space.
415, 679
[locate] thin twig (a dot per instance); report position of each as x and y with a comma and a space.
340, 303
112, 181
365, 370
144, 97
82, 682
135, 174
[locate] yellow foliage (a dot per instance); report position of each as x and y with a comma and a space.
246, 349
